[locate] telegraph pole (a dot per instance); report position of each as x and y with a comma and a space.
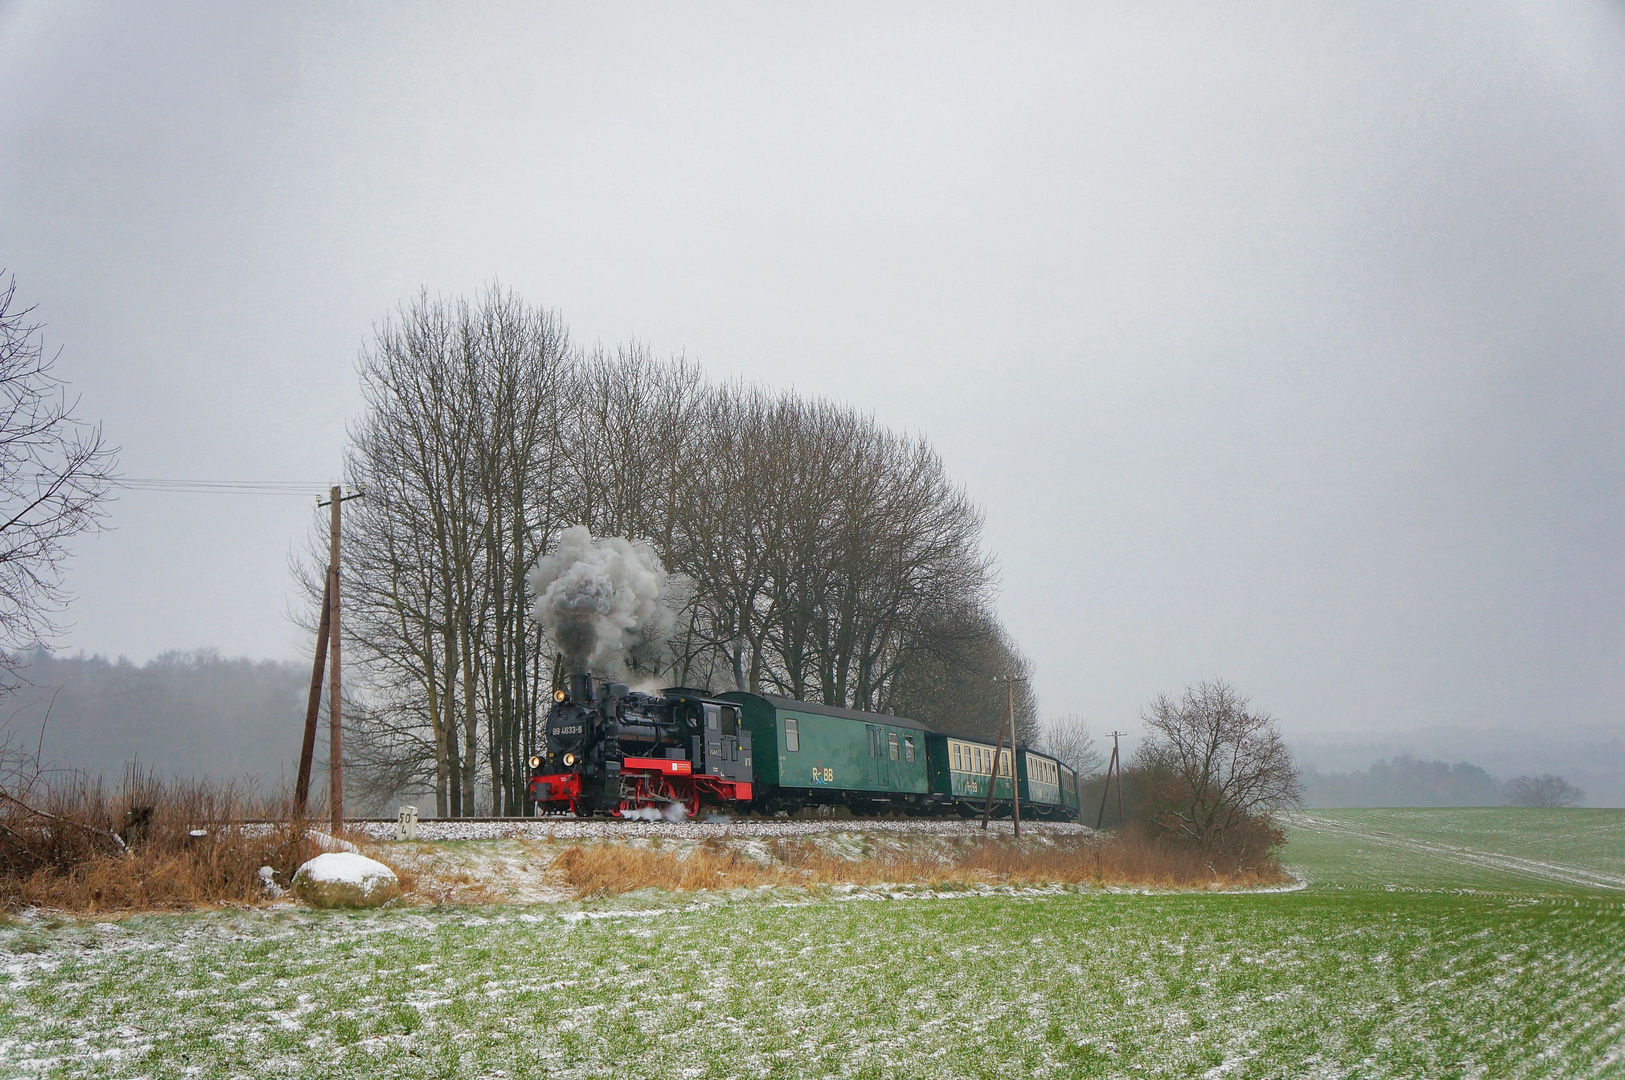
1114, 766
335, 680
993, 779
318, 669
327, 649
1009, 682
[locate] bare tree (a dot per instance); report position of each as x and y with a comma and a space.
1545, 790
813, 553
55, 473
459, 452
1067, 739
1215, 768
949, 678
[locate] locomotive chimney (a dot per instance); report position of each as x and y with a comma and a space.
581, 689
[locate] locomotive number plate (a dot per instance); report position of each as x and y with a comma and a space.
567, 729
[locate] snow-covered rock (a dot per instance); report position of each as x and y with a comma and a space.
344, 879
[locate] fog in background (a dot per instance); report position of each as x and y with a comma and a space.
178, 714
1280, 343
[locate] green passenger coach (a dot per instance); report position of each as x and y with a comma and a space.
817, 754
1041, 784
962, 768
1069, 792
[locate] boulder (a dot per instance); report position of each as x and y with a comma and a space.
343, 879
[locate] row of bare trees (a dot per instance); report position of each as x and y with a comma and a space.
813, 553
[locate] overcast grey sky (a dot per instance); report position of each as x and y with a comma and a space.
1280, 342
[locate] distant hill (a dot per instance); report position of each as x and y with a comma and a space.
1404, 781
1590, 755
183, 713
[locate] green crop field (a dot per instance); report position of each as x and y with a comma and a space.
1447, 943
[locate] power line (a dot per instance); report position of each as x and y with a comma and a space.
221, 487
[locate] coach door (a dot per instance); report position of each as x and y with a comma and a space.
872, 762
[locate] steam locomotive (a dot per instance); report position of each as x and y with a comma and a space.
611, 750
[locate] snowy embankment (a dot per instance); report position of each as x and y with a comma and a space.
702, 829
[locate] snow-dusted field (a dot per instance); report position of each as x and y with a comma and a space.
1524, 977
1487, 847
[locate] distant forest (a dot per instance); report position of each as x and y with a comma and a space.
183, 713
1405, 781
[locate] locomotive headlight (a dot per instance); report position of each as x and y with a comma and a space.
558, 695
535, 762
569, 760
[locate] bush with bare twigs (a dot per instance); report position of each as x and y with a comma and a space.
68, 843
1213, 772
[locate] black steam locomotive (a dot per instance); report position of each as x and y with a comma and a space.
611, 750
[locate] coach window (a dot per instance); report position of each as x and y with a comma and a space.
792, 735
908, 748
891, 744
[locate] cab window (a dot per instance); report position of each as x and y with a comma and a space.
730, 720
713, 718
792, 734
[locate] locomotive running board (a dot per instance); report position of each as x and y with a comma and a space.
666, 766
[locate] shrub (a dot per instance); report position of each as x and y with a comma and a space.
69, 844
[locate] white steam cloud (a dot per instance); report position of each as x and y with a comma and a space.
670, 812
599, 599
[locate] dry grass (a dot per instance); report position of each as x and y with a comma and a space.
1124, 861
154, 844
180, 844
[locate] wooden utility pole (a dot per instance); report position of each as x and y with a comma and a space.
335, 680
1114, 766
1120, 818
1015, 760
1015, 766
327, 656
308, 749
998, 751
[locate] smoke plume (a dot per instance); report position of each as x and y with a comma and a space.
598, 599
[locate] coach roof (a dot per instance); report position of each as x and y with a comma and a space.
792, 705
